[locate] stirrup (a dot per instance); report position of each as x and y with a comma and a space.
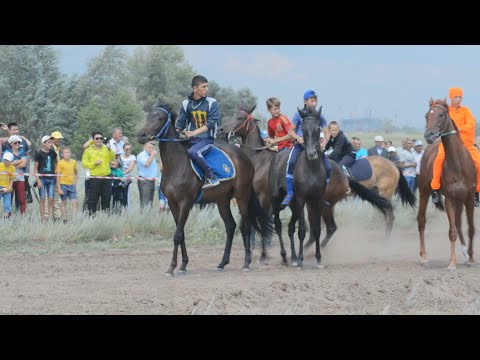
436, 196
211, 182
286, 201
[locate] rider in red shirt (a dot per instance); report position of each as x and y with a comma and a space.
278, 126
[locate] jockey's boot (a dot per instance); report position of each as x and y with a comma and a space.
210, 181
290, 194
477, 200
436, 196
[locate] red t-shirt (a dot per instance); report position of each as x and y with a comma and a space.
277, 128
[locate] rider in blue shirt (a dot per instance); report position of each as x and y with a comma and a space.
200, 115
296, 132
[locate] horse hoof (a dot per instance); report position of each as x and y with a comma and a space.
294, 263
181, 272
320, 266
219, 269
169, 274
246, 269
452, 268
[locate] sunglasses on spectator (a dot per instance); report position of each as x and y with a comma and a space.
98, 138
16, 142
127, 149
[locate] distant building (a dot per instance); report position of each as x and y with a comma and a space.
361, 124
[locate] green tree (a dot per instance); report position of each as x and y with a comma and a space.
160, 72
33, 92
91, 118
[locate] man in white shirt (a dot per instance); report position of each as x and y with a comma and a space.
116, 141
418, 146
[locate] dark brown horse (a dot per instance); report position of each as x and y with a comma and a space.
309, 181
181, 186
458, 180
243, 124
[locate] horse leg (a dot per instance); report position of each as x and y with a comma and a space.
327, 215
471, 230
452, 233
266, 238
180, 215
291, 234
299, 205
458, 224
421, 220
245, 227
389, 219
278, 229
230, 225
315, 229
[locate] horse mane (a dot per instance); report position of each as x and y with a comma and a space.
442, 102
167, 107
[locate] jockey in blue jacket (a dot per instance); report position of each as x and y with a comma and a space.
296, 132
200, 115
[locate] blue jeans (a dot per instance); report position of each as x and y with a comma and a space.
69, 192
199, 148
7, 201
48, 187
411, 182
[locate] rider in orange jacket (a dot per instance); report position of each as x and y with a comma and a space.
465, 122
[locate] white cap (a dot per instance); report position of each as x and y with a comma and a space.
14, 138
392, 148
418, 143
8, 156
45, 138
379, 138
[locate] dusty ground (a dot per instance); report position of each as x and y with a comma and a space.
362, 275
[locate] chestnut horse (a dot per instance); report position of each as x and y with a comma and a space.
182, 187
458, 180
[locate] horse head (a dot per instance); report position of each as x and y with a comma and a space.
311, 131
240, 124
438, 122
155, 121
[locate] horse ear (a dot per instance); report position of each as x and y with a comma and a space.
320, 111
431, 102
301, 112
252, 109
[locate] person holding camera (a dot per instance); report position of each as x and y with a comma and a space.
97, 159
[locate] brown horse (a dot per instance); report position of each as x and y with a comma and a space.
182, 187
243, 125
458, 180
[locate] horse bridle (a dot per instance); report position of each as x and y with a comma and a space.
246, 123
164, 129
440, 133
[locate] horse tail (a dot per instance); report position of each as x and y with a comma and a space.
258, 216
371, 196
408, 198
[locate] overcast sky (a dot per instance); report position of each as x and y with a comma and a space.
385, 81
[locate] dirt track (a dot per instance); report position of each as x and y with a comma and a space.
361, 276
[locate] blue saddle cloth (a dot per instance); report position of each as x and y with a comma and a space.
220, 164
361, 169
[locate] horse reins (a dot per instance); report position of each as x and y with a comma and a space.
164, 129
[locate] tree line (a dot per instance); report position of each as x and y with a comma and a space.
116, 90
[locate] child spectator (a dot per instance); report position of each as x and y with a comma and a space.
67, 182
7, 174
45, 162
